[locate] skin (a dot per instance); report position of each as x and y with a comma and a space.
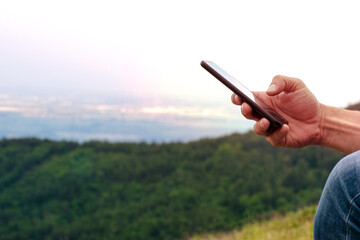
310, 122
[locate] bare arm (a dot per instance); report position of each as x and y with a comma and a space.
310, 123
341, 129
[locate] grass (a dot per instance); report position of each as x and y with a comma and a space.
294, 225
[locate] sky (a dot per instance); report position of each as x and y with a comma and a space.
133, 61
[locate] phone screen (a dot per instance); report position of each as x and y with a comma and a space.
232, 80
260, 108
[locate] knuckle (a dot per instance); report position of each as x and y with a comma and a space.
278, 77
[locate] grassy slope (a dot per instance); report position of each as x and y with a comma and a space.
295, 225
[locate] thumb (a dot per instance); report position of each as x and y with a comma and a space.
284, 84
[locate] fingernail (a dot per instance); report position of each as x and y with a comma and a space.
283, 129
272, 88
261, 124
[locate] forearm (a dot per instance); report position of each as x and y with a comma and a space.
340, 129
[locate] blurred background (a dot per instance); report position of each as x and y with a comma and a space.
111, 129
129, 70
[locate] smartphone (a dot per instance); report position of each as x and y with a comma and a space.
260, 109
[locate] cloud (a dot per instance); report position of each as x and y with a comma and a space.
193, 112
82, 120
9, 109
64, 108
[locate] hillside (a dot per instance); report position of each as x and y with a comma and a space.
355, 106
294, 225
99, 190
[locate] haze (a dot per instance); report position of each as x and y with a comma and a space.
130, 70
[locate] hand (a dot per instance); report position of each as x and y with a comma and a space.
294, 101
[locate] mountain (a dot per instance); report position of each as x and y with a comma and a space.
100, 190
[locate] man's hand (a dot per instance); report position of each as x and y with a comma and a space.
294, 101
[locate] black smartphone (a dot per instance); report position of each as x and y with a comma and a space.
260, 109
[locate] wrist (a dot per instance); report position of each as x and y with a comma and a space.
339, 129
326, 125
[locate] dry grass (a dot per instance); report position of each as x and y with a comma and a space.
295, 226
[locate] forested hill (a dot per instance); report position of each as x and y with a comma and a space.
99, 190
355, 106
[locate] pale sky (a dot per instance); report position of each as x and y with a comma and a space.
144, 56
